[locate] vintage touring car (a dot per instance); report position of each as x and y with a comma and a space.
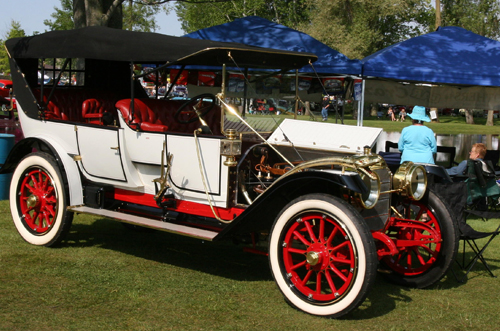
329, 211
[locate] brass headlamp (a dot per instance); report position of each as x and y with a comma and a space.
410, 180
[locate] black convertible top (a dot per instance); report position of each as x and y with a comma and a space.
102, 43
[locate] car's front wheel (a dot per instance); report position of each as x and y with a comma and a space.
433, 245
38, 200
322, 255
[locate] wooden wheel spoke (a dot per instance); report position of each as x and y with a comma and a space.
296, 250
301, 238
338, 273
340, 260
306, 278
321, 230
332, 235
310, 231
339, 246
298, 265
330, 281
318, 283
419, 256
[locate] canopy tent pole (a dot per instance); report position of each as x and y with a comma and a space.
296, 93
245, 89
361, 105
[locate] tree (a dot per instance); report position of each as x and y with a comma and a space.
479, 16
63, 18
358, 28
127, 14
14, 32
195, 16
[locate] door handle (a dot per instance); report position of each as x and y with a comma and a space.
116, 148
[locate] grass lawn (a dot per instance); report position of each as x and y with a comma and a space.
105, 277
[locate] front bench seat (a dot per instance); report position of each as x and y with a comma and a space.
143, 119
92, 111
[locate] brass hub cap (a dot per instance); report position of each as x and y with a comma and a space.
312, 258
32, 201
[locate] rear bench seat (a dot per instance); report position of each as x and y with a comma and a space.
158, 116
68, 104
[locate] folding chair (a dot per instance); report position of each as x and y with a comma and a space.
455, 196
493, 156
446, 156
391, 145
483, 192
469, 235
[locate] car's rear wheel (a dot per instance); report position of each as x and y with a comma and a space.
322, 255
38, 200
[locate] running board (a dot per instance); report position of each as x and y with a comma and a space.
146, 222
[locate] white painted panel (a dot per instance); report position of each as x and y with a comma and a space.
100, 158
324, 136
185, 171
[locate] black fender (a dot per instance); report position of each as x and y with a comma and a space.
260, 215
23, 148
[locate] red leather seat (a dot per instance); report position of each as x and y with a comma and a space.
52, 112
143, 118
92, 111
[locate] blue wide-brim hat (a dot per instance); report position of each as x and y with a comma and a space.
418, 114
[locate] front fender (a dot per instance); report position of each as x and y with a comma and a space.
260, 215
65, 162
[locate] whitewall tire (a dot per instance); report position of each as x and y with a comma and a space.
322, 255
38, 200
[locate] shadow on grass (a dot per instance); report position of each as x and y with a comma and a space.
223, 259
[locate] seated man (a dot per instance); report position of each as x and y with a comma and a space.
477, 152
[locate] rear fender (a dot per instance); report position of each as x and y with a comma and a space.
65, 162
260, 215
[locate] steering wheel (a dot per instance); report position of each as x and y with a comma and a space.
194, 108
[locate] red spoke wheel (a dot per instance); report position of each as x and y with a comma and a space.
426, 262
322, 255
416, 259
38, 200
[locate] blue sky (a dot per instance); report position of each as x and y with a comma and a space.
32, 13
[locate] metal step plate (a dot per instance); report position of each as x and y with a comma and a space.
142, 221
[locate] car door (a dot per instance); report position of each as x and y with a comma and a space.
100, 152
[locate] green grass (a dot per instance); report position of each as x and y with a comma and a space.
105, 277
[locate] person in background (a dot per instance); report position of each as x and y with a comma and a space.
324, 107
402, 114
477, 152
417, 142
390, 113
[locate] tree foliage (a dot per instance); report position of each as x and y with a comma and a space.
479, 16
126, 14
195, 16
358, 28
14, 32
62, 18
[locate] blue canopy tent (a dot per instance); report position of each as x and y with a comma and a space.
463, 66
257, 31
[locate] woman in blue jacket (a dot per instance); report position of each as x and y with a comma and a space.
417, 142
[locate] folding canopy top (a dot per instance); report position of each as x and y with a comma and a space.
102, 43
